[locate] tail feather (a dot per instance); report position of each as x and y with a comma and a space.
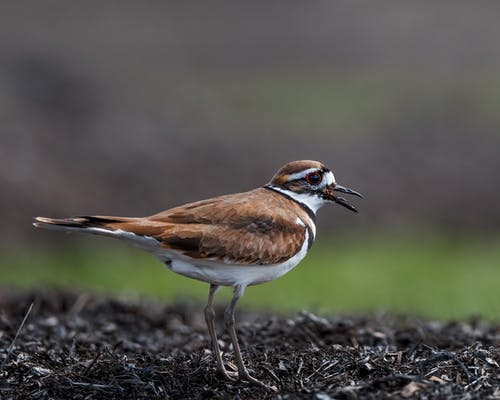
77, 222
131, 230
126, 228
123, 228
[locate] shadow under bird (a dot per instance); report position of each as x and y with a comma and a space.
236, 240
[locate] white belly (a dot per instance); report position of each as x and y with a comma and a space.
208, 270
232, 275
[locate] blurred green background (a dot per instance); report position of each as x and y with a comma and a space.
132, 107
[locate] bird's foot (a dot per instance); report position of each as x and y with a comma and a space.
228, 375
245, 376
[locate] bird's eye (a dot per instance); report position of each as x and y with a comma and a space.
313, 178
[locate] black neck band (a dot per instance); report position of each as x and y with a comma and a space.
307, 209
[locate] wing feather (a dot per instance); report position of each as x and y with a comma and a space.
245, 228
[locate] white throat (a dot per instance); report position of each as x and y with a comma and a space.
312, 202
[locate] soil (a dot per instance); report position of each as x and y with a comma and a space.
87, 346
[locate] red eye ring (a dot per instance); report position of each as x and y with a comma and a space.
313, 178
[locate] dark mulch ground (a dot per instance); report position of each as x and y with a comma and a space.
83, 346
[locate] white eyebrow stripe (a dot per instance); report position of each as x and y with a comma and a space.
301, 174
328, 177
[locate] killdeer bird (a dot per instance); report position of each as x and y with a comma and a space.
236, 240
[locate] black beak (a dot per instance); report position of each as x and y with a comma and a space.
341, 200
343, 189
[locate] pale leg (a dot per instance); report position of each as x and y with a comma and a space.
210, 319
230, 326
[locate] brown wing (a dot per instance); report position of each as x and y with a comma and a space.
238, 243
244, 228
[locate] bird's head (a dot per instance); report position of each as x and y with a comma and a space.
310, 183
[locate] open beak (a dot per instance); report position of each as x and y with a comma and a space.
341, 200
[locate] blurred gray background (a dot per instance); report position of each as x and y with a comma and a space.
130, 107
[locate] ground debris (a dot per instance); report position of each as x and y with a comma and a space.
85, 346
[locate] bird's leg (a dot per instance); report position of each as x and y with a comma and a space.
210, 320
230, 326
